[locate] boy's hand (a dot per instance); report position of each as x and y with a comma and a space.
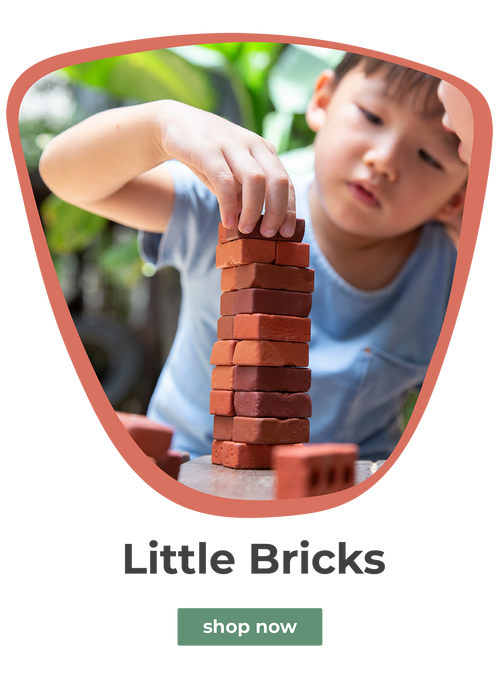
238, 166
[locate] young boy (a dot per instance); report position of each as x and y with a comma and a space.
384, 168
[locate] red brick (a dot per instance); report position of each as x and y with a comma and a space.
227, 303
225, 327
258, 404
170, 463
271, 353
314, 469
243, 456
228, 278
223, 427
244, 251
223, 352
222, 403
271, 327
274, 302
270, 430
280, 379
292, 254
154, 440
217, 451
234, 233
222, 377
274, 277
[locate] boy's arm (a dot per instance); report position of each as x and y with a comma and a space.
112, 164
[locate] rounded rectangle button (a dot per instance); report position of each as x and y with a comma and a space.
249, 626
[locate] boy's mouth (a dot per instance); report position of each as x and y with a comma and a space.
362, 193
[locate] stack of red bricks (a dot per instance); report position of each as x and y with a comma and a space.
261, 377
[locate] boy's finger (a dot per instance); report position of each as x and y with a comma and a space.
252, 178
287, 229
253, 199
279, 212
220, 180
229, 198
285, 218
239, 184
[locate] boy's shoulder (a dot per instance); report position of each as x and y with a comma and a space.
190, 236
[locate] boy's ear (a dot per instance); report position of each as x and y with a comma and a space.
323, 91
453, 208
450, 215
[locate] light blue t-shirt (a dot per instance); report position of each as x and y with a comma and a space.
367, 349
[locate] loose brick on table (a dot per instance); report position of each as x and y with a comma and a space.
222, 403
242, 456
258, 300
223, 427
280, 379
244, 251
313, 469
270, 327
233, 233
154, 440
274, 277
170, 463
271, 353
292, 254
258, 404
225, 327
222, 377
270, 430
223, 352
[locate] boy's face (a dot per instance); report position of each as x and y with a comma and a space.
382, 169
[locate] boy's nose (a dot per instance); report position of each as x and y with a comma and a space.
382, 158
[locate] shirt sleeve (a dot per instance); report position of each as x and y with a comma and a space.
192, 230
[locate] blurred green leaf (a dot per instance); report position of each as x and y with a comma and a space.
277, 128
246, 67
255, 61
291, 81
231, 50
148, 76
122, 264
68, 228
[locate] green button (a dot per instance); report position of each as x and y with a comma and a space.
249, 626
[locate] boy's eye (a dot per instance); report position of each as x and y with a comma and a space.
429, 159
372, 118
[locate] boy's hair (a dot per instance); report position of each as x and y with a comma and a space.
400, 80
